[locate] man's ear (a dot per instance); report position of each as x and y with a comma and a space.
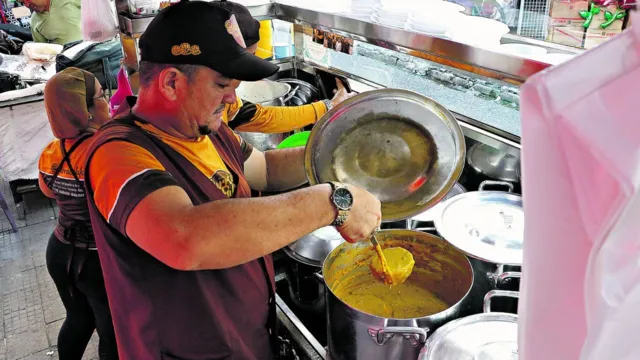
167, 83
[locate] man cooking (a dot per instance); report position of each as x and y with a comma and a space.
55, 21
184, 250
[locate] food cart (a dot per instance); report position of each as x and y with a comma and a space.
477, 82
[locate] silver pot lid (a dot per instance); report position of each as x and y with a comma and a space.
432, 213
494, 163
488, 225
489, 336
312, 249
406, 149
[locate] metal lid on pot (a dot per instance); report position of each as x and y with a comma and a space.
312, 249
432, 213
488, 225
494, 163
489, 336
406, 149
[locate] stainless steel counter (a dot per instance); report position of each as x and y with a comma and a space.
295, 330
134, 25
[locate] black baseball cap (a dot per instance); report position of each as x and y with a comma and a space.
202, 33
249, 26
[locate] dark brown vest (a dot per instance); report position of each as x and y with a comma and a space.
163, 313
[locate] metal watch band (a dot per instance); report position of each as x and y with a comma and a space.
328, 104
341, 218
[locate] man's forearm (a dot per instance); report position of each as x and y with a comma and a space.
285, 169
260, 226
225, 233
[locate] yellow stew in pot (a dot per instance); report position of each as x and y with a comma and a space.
441, 277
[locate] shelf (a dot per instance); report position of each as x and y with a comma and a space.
465, 57
135, 25
495, 65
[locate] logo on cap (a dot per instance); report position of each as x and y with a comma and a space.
185, 49
234, 30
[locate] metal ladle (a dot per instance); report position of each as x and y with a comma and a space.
400, 271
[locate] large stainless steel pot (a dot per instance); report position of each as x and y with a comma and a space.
486, 336
495, 164
354, 334
265, 93
306, 93
308, 253
488, 226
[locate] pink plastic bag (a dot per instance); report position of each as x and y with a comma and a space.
98, 20
124, 90
580, 292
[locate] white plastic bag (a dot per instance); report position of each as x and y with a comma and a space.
98, 21
580, 293
41, 51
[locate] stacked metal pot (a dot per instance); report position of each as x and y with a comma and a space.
265, 93
284, 92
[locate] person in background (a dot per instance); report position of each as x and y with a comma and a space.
247, 117
265, 47
76, 107
184, 248
55, 21
318, 36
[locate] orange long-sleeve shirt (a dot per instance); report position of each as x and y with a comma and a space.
271, 119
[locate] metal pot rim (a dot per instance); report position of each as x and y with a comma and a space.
300, 82
278, 98
301, 259
403, 319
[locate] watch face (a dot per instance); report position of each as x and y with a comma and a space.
343, 199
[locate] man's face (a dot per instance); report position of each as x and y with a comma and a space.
37, 5
204, 100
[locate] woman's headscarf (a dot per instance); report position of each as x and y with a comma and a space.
68, 96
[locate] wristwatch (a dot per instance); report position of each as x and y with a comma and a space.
342, 199
328, 104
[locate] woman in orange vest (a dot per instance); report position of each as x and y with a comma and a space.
76, 107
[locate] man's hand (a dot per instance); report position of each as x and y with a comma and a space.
341, 94
364, 217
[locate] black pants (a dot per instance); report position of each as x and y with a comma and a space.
78, 278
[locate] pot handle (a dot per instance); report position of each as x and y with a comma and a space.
416, 336
497, 293
318, 277
290, 94
495, 183
425, 229
508, 275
